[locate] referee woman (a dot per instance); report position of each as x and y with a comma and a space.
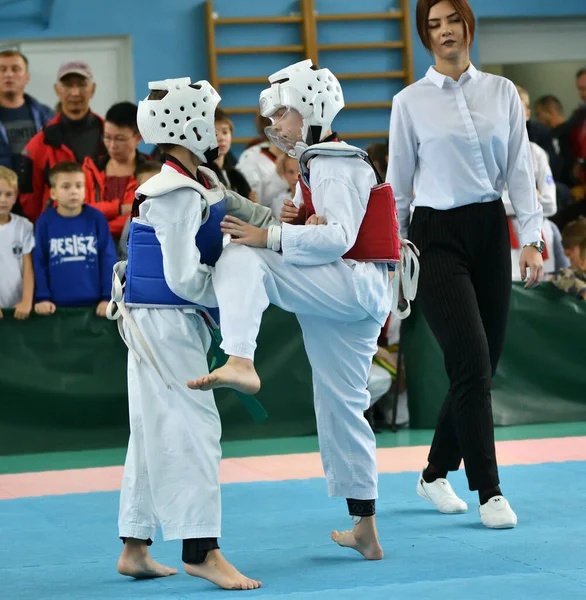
456, 137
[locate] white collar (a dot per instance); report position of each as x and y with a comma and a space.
438, 79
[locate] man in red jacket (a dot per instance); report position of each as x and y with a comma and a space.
72, 135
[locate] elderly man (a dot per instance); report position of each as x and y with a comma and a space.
21, 116
72, 135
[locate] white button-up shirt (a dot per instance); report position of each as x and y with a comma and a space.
456, 143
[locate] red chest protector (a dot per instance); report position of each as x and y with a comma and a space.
378, 238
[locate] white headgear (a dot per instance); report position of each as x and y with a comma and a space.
185, 116
315, 94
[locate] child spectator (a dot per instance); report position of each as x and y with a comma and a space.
17, 241
74, 253
380, 380
379, 156
288, 171
227, 173
573, 279
144, 172
538, 132
110, 181
258, 164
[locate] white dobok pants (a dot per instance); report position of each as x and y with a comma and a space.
340, 340
171, 474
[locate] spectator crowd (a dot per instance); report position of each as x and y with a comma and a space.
68, 179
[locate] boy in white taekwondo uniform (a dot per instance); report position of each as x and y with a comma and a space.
332, 271
164, 294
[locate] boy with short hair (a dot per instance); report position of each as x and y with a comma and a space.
232, 178
288, 170
573, 279
74, 254
146, 170
17, 241
379, 156
258, 164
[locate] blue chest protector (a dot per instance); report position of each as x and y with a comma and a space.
145, 277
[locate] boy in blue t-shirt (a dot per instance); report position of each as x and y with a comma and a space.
74, 254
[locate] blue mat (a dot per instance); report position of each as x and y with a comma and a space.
66, 547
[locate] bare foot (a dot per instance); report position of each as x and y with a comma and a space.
135, 561
218, 570
237, 373
362, 538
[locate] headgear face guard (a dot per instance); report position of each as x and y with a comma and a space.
316, 95
286, 131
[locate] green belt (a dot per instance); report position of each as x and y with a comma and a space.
253, 406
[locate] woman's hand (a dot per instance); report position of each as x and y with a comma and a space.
243, 233
531, 259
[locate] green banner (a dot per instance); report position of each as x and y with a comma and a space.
63, 384
63, 377
542, 373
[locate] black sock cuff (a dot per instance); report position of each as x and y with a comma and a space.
361, 508
196, 550
431, 474
148, 542
485, 495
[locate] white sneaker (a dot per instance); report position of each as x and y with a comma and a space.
441, 494
497, 514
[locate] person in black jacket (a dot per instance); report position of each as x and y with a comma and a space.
550, 112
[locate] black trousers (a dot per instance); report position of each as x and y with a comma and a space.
464, 292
